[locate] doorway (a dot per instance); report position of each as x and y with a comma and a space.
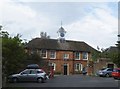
65, 69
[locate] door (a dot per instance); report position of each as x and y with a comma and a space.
24, 75
65, 69
32, 76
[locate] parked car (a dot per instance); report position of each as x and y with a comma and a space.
116, 73
37, 75
105, 72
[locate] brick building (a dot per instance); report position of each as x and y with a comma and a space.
66, 56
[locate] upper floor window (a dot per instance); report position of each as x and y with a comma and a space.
85, 56
43, 53
52, 54
66, 56
77, 56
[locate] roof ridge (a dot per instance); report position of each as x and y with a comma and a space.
57, 39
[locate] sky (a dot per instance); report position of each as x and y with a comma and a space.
95, 23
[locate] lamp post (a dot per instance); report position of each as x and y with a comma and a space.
119, 38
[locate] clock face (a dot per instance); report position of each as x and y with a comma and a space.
62, 34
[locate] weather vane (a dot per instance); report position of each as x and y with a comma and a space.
61, 23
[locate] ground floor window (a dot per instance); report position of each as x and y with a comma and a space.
78, 67
54, 66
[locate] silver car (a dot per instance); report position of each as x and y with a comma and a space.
37, 75
105, 72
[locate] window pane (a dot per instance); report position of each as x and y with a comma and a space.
54, 66
85, 55
66, 56
25, 72
32, 71
43, 53
77, 55
52, 54
78, 67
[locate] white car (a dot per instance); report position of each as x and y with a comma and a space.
37, 75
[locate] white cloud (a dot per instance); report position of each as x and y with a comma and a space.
20, 18
69, 0
96, 28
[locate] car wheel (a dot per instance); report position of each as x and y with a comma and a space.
107, 75
118, 78
115, 78
40, 80
15, 80
9, 80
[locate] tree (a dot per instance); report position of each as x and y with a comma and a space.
115, 55
44, 35
14, 57
95, 55
116, 58
12, 53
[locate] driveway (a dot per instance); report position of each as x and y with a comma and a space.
72, 81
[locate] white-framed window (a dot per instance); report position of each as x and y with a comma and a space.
52, 54
65, 56
43, 53
78, 67
54, 66
85, 56
77, 56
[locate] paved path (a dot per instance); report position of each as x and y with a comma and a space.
72, 81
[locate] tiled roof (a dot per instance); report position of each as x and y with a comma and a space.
53, 44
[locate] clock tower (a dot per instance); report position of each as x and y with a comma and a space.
61, 34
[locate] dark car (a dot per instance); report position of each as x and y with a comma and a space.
105, 72
37, 75
116, 73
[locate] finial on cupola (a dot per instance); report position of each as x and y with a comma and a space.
61, 23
